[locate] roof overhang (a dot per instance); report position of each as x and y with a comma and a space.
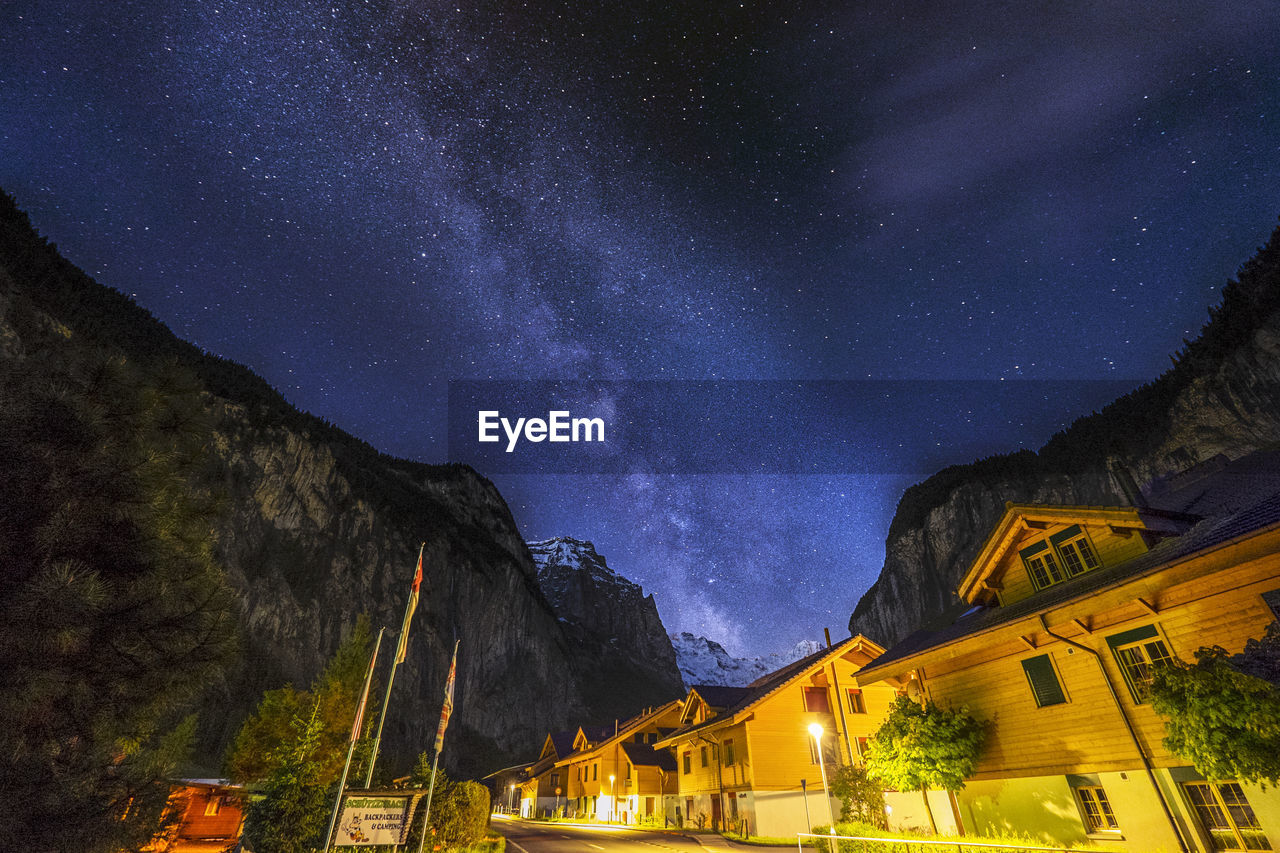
1019, 518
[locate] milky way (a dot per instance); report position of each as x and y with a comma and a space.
363, 201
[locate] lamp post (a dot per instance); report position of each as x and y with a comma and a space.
612, 800
815, 729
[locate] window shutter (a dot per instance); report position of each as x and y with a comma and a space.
1044, 681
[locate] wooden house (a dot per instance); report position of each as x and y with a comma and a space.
1062, 617
542, 786
614, 774
211, 817
745, 757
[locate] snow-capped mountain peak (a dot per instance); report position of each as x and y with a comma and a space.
704, 661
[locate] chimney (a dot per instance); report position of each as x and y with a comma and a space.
827, 631
1124, 480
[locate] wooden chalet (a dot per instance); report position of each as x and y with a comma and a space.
744, 755
1062, 618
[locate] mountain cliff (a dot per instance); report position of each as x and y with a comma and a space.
1220, 398
704, 661
612, 618
316, 527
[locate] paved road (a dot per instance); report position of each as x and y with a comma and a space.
525, 836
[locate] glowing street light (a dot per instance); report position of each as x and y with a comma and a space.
815, 729
611, 801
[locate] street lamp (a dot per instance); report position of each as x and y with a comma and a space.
815, 729
513, 797
611, 799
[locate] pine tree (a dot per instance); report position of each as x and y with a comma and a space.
291, 813
116, 616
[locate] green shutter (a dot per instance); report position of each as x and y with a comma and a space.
1063, 535
1033, 549
1044, 681
1133, 635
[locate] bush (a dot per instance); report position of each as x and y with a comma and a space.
861, 797
459, 810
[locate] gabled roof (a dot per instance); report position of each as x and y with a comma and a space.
644, 755
1018, 518
964, 621
718, 696
592, 735
855, 648
596, 737
558, 744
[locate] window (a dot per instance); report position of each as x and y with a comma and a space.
1138, 652
595, 772
1041, 564
702, 752
1044, 681
815, 700
728, 751
212, 807
1078, 555
856, 703
829, 748
1063, 555
1226, 815
864, 743
555, 780
688, 762
1096, 808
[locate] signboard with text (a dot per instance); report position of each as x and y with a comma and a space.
373, 820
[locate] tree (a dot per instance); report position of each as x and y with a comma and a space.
459, 810
919, 747
333, 696
293, 810
117, 618
861, 797
1222, 713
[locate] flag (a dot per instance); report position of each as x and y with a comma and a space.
364, 694
448, 701
403, 648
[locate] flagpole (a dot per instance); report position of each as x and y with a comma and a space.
403, 646
435, 762
355, 736
426, 816
382, 718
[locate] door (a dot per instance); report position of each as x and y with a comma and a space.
717, 815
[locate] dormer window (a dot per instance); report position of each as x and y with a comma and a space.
1042, 565
1078, 555
1063, 555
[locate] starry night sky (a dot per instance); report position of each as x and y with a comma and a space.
363, 200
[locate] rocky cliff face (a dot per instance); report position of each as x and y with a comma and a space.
318, 527
1221, 397
613, 618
